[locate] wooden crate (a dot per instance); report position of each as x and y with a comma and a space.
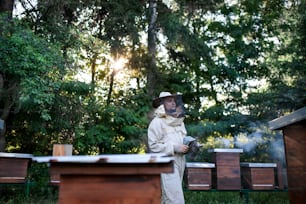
258, 176
62, 150
198, 176
59, 150
226, 175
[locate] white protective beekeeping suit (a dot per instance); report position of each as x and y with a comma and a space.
165, 133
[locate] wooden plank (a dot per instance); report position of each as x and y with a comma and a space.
12, 179
107, 168
280, 178
62, 150
289, 119
58, 168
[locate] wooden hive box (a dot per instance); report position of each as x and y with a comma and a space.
14, 167
226, 175
198, 176
293, 127
110, 179
258, 176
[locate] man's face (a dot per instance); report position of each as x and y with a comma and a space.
170, 104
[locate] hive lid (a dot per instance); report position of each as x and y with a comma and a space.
107, 158
200, 165
258, 165
15, 155
230, 150
286, 120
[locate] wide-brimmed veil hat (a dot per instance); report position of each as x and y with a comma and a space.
157, 101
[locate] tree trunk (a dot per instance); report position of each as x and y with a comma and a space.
152, 72
7, 6
2, 121
93, 68
110, 90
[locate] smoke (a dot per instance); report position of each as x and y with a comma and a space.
224, 142
249, 142
277, 149
258, 141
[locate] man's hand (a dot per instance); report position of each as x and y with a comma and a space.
181, 148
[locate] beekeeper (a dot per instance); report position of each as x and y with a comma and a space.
165, 135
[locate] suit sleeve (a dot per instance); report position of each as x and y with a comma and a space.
156, 141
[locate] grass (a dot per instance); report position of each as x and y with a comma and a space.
49, 195
232, 197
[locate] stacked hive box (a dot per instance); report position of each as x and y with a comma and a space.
226, 175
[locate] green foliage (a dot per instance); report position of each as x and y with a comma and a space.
26, 55
115, 130
66, 112
33, 64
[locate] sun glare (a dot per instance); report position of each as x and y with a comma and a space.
120, 70
119, 64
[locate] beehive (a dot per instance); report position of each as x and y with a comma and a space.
258, 176
198, 176
14, 167
226, 175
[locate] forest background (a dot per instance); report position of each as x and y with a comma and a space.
85, 72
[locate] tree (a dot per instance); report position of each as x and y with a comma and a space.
7, 90
27, 64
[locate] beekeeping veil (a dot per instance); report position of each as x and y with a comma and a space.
178, 111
